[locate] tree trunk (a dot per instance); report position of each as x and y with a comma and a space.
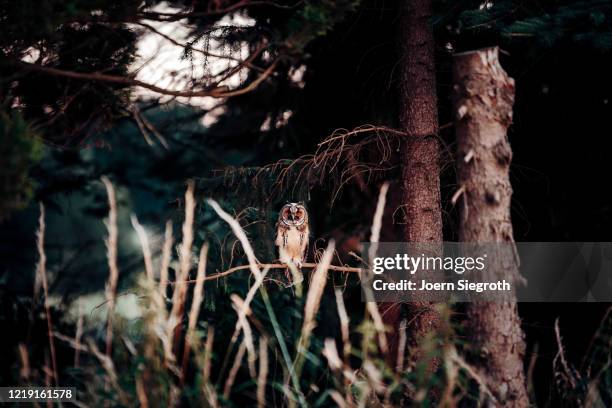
420, 174
484, 95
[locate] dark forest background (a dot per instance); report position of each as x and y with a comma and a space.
558, 52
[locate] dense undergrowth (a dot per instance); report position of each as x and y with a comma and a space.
252, 337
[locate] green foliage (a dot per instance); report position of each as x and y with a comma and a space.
547, 24
20, 148
316, 19
584, 22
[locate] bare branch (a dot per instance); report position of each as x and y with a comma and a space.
216, 92
273, 266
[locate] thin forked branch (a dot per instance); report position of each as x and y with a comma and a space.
215, 92
306, 265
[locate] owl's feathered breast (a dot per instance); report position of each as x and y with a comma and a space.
292, 240
292, 233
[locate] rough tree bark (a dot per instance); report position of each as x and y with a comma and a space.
420, 173
484, 95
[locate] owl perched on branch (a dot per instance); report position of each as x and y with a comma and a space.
292, 234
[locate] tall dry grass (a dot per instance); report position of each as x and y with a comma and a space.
262, 376
144, 243
165, 261
196, 304
41, 272
313, 303
173, 330
270, 365
111, 255
371, 306
159, 347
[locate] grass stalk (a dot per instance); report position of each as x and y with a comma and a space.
41, 271
196, 303
77, 340
238, 305
24, 358
178, 298
165, 260
144, 243
208, 389
313, 303
371, 307
229, 382
344, 326
263, 372
111, 255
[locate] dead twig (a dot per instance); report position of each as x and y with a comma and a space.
307, 265
215, 92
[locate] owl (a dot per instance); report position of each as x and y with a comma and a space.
292, 234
